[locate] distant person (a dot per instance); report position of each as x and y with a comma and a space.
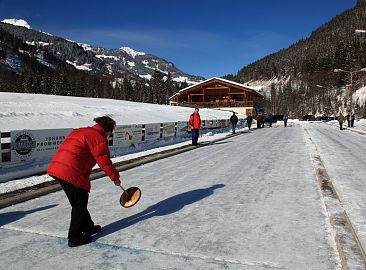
270, 119
234, 121
285, 118
71, 167
340, 121
249, 120
260, 120
195, 125
353, 120
348, 120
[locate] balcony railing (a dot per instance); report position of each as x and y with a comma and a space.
215, 104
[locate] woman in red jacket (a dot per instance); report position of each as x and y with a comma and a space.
195, 125
72, 166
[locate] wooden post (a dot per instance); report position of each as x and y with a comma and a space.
229, 96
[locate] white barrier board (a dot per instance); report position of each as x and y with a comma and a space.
210, 124
168, 129
152, 131
31, 144
182, 128
127, 134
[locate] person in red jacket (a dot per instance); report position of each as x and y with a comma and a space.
71, 167
195, 125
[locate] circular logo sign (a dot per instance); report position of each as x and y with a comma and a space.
23, 144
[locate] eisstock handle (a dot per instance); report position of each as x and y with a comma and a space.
122, 188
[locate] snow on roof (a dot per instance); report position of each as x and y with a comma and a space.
215, 78
17, 22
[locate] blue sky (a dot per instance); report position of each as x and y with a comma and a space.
208, 37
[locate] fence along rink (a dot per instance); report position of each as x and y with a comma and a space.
24, 145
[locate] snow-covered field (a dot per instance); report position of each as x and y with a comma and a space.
35, 111
247, 202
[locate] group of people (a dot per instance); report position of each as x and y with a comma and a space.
350, 120
260, 120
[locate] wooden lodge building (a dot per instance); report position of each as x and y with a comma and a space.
220, 94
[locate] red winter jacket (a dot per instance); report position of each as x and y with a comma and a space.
195, 121
78, 154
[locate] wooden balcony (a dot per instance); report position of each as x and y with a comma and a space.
215, 104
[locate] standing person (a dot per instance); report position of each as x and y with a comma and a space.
353, 120
260, 120
195, 125
234, 121
341, 120
249, 120
285, 118
270, 119
348, 120
71, 167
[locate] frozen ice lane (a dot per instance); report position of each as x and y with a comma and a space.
343, 155
248, 202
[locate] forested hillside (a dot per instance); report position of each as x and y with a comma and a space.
301, 78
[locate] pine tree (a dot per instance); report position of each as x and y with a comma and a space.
156, 94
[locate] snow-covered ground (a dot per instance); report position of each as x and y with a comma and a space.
247, 202
37, 111
34, 111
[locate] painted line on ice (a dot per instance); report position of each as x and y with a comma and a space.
192, 256
17, 229
156, 251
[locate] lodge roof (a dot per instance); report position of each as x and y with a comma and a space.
224, 81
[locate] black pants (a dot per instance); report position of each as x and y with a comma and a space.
195, 135
80, 218
259, 124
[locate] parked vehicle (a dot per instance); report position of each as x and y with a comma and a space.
278, 117
308, 117
323, 118
266, 118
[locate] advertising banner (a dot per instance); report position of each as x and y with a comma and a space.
222, 123
127, 134
168, 129
182, 128
152, 132
241, 123
211, 124
32, 144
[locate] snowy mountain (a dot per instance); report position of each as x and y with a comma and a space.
17, 22
47, 49
126, 60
